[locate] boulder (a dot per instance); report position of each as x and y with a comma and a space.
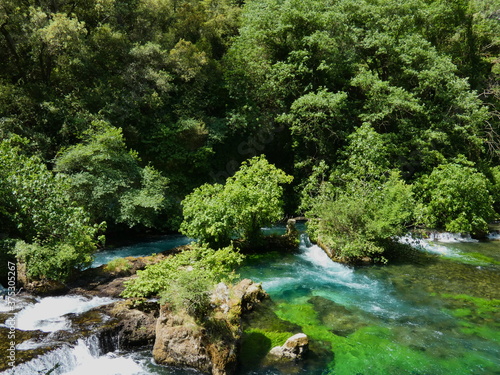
180, 342
294, 348
134, 327
210, 347
245, 295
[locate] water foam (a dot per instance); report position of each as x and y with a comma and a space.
88, 361
428, 246
48, 314
447, 237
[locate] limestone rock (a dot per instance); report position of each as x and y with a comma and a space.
136, 327
293, 348
180, 342
246, 294
210, 347
221, 298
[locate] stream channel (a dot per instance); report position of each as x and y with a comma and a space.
437, 312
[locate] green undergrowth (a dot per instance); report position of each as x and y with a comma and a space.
375, 349
118, 265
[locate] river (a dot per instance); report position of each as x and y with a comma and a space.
438, 312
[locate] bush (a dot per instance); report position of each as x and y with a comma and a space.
54, 235
249, 200
186, 279
456, 197
359, 221
364, 205
117, 265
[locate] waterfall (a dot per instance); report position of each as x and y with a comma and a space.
92, 355
53, 315
60, 360
447, 237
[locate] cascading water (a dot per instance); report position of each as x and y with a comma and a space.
50, 314
438, 314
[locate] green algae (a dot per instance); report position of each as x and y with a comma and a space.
256, 343
439, 316
262, 330
480, 316
376, 350
473, 259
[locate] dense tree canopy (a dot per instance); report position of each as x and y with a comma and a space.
53, 235
383, 96
108, 181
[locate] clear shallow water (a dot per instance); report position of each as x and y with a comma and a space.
436, 314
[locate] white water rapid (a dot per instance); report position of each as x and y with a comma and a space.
50, 314
84, 358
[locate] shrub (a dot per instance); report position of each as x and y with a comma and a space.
456, 197
358, 221
249, 200
186, 279
118, 265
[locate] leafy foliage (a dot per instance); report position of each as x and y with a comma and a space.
364, 205
456, 196
249, 200
187, 278
196, 86
363, 220
55, 235
108, 181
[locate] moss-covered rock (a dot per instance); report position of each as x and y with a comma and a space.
210, 346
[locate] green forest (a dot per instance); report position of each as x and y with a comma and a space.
216, 117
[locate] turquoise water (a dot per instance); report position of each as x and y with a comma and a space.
436, 314
140, 249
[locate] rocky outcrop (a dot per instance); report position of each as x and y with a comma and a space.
210, 347
180, 341
294, 348
134, 326
245, 295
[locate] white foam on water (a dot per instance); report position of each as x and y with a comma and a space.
278, 283
428, 246
30, 345
447, 237
48, 314
88, 362
494, 236
84, 358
